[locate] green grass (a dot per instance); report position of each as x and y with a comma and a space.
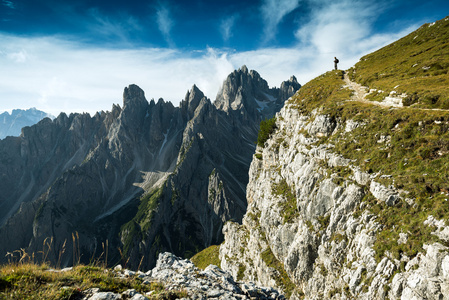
289, 208
416, 152
206, 257
32, 281
141, 222
417, 64
282, 278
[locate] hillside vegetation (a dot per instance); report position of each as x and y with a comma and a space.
409, 145
417, 65
33, 281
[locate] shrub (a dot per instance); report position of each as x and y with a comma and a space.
267, 127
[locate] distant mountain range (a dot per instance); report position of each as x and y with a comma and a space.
147, 177
12, 124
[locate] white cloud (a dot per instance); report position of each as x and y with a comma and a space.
19, 56
227, 25
273, 11
62, 76
165, 22
54, 74
338, 27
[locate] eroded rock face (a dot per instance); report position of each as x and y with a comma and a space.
307, 232
147, 177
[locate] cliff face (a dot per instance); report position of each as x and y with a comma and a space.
310, 227
347, 199
146, 177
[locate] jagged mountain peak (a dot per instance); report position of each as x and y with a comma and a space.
248, 91
192, 99
135, 106
288, 88
132, 95
293, 79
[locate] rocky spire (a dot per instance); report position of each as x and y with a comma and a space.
288, 88
192, 99
241, 89
134, 104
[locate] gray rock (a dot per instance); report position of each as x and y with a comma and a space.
105, 296
387, 195
139, 297
176, 273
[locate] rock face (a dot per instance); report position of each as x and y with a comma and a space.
12, 124
144, 178
307, 232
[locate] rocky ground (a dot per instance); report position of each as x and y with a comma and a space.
178, 274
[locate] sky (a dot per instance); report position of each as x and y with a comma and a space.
78, 56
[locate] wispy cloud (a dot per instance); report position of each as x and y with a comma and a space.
227, 25
9, 4
165, 22
340, 26
120, 27
20, 56
273, 11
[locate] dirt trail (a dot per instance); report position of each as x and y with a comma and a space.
361, 91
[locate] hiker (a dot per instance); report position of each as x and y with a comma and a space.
336, 61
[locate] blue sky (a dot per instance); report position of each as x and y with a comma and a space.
77, 56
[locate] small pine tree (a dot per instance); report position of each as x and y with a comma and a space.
267, 127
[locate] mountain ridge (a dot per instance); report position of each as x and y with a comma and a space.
148, 177
12, 123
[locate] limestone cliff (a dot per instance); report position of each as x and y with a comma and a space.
309, 229
347, 199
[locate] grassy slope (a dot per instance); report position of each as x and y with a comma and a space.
206, 257
416, 152
32, 281
417, 64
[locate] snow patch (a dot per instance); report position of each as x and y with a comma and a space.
262, 105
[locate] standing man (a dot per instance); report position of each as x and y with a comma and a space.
336, 61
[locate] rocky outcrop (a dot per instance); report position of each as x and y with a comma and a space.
147, 177
307, 229
176, 274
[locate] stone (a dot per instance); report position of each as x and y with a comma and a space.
387, 195
118, 268
130, 292
105, 296
176, 273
